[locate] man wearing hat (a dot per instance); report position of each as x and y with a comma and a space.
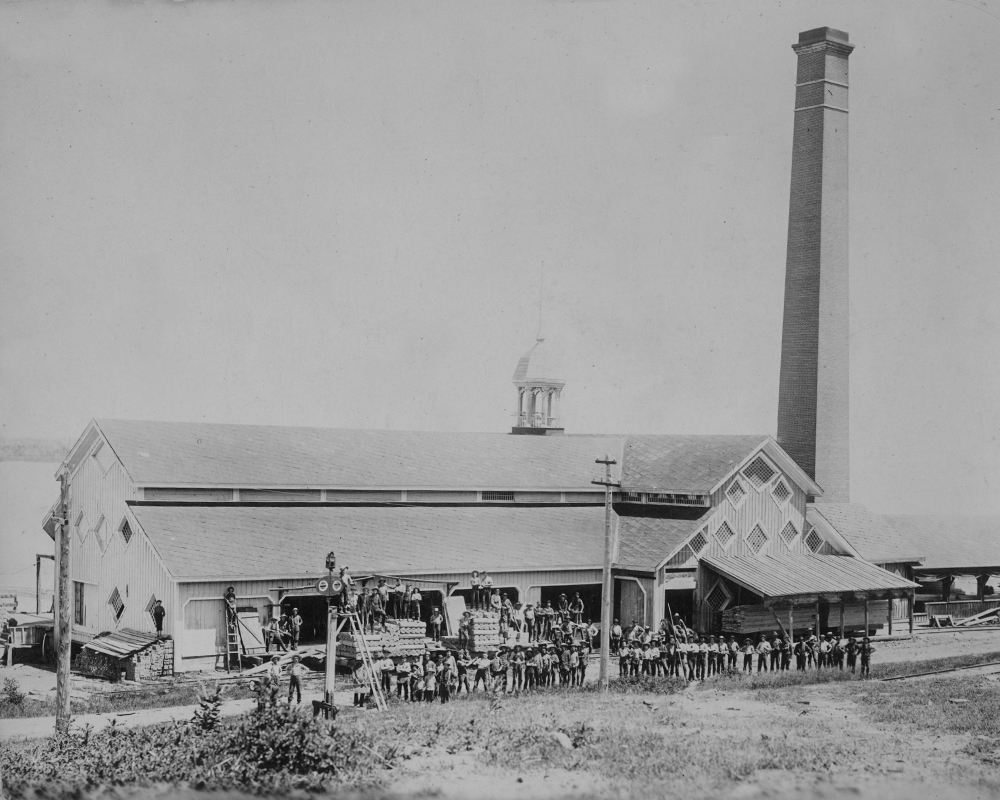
295, 622
295, 674
865, 651
436, 620
763, 653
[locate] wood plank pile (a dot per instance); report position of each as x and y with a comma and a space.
484, 631
758, 619
401, 638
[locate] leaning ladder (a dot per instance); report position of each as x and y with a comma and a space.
367, 661
234, 641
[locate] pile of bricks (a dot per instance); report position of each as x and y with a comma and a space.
484, 631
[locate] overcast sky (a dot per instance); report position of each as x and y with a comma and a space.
337, 214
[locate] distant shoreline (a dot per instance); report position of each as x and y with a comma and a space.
43, 451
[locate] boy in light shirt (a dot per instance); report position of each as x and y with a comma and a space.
763, 653
748, 653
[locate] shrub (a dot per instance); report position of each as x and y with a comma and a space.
278, 749
12, 694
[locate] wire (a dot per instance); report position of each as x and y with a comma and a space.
16, 571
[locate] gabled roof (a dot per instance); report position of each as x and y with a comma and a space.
644, 542
936, 541
791, 575
693, 464
229, 542
203, 454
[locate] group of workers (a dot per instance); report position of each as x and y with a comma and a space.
443, 674
678, 651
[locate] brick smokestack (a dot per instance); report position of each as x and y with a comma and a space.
813, 400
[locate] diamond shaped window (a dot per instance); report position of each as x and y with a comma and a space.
717, 598
759, 472
781, 492
724, 534
788, 533
814, 541
698, 541
757, 539
736, 493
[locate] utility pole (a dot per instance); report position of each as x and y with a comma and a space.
606, 586
63, 614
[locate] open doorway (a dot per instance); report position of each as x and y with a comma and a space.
590, 593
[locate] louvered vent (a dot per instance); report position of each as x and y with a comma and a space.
115, 601
788, 533
699, 541
736, 493
814, 541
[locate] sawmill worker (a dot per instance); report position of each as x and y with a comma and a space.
545, 615
837, 653
295, 625
430, 680
616, 637
825, 646
416, 679
851, 650
403, 678
446, 673
395, 609
576, 608
486, 590
388, 667
436, 620
775, 651
348, 587
377, 611
262, 688
463, 630
529, 622
812, 650
506, 608
681, 631
748, 651
763, 653
295, 674
462, 666
786, 654
517, 663
415, 600
732, 651
159, 612
532, 668
274, 635
498, 670
562, 608
482, 671
475, 582
274, 676
230, 598
495, 604
383, 593
865, 651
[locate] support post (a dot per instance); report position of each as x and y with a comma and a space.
609, 554
331, 652
912, 599
64, 619
38, 584
842, 631
889, 613
791, 627
866, 616
819, 630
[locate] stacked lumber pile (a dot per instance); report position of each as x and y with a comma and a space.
759, 619
401, 638
484, 631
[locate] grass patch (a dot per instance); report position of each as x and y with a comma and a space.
150, 696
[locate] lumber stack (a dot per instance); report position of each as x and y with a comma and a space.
759, 619
484, 631
401, 638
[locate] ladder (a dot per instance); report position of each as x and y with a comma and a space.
367, 661
234, 640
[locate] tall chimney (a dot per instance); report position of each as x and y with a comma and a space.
813, 399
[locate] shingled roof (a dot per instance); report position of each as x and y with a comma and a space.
199, 454
692, 464
643, 542
951, 541
224, 542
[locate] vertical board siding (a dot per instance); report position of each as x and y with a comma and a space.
134, 568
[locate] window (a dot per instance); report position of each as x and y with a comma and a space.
502, 497
781, 492
676, 499
631, 497
759, 472
683, 557
699, 541
126, 531
100, 530
104, 457
814, 541
718, 598
79, 610
788, 533
736, 493
757, 539
724, 534
116, 603
81, 526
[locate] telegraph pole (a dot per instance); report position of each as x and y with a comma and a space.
606, 584
63, 614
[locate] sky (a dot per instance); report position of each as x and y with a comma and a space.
348, 214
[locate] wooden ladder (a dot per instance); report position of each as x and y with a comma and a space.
234, 641
367, 661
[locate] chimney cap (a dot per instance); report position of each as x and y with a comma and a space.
824, 34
